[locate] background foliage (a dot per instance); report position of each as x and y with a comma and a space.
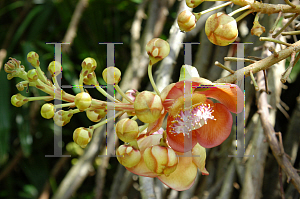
26, 137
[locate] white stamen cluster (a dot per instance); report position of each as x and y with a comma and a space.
191, 119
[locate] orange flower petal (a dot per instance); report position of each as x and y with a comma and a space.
184, 175
215, 131
230, 95
180, 142
155, 126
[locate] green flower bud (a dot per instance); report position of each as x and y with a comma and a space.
82, 136
160, 160
61, 117
32, 75
47, 111
54, 68
111, 75
96, 115
221, 29
20, 85
157, 50
83, 101
88, 65
127, 130
127, 156
148, 107
33, 59
90, 79
18, 100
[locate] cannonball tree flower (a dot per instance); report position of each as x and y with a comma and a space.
204, 122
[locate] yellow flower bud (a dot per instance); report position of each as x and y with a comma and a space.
83, 101
193, 3
221, 29
111, 75
32, 75
47, 111
157, 50
90, 79
186, 21
88, 65
82, 136
61, 117
148, 107
160, 160
18, 100
127, 130
33, 59
96, 115
54, 68
127, 156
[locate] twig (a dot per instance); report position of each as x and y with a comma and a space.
286, 25
288, 71
261, 65
275, 23
224, 67
72, 29
266, 83
283, 161
238, 59
280, 182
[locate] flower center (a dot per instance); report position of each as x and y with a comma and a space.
187, 120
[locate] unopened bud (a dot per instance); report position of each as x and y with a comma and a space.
96, 115
111, 75
193, 3
221, 29
88, 65
128, 156
90, 79
47, 111
186, 21
54, 68
33, 59
61, 117
157, 50
32, 75
82, 136
148, 107
18, 100
160, 160
127, 130
83, 101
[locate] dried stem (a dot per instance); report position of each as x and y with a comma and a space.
286, 25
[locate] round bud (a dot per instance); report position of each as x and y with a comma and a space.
88, 65
20, 85
33, 59
82, 136
90, 79
157, 50
61, 117
18, 100
83, 101
160, 160
47, 111
186, 21
127, 130
193, 3
111, 75
127, 156
257, 29
32, 75
54, 68
96, 115
148, 107
221, 29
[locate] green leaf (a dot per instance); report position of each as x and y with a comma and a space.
187, 72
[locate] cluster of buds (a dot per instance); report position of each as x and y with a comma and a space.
220, 28
148, 150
